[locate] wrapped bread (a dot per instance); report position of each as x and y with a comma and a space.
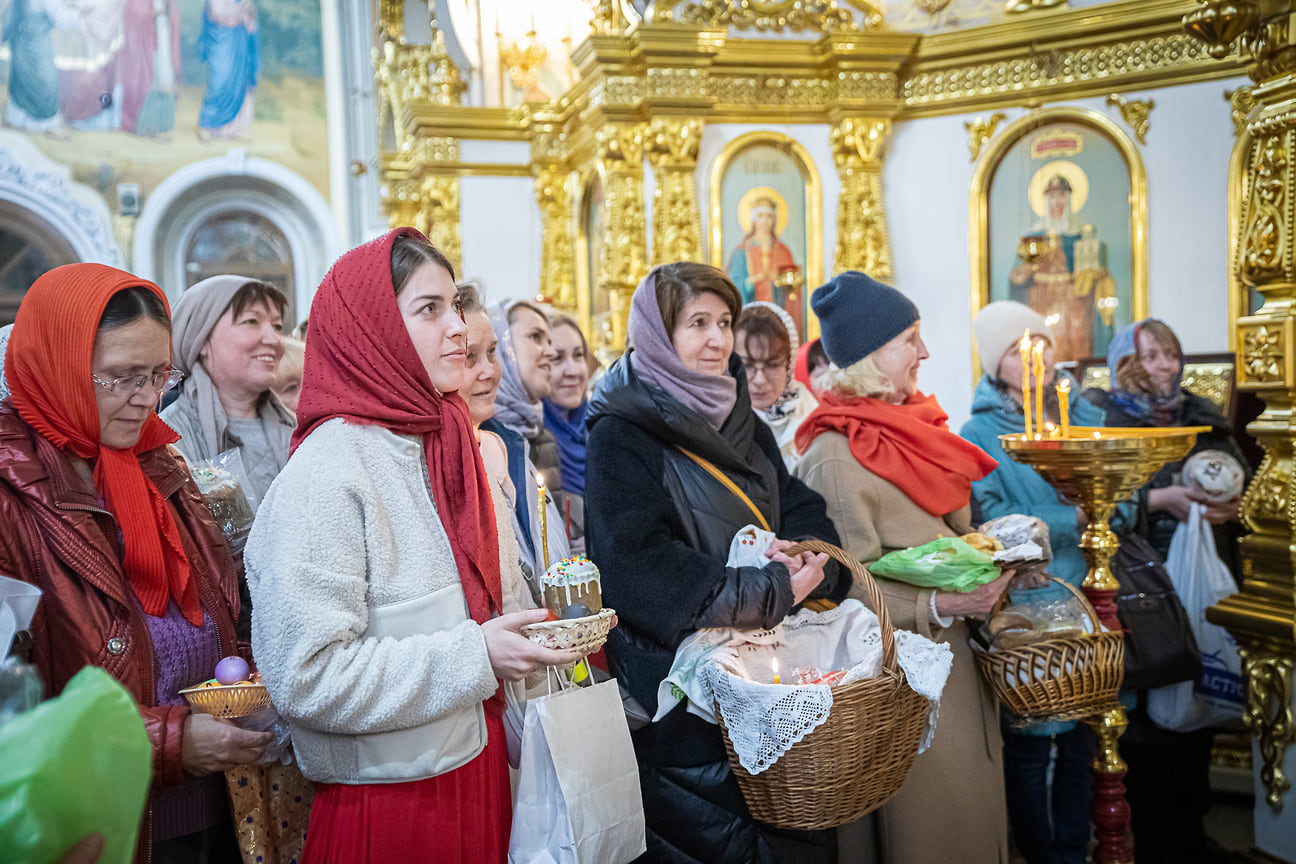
1214, 476
1017, 530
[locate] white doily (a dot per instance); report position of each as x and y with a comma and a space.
733, 669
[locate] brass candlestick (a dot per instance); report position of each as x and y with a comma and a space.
1098, 468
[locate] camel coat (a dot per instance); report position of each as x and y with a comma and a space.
951, 807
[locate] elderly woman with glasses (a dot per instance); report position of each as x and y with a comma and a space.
100, 513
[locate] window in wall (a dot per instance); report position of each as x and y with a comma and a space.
246, 243
29, 246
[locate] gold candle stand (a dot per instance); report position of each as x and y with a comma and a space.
1097, 468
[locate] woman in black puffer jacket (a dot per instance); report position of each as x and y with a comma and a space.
659, 527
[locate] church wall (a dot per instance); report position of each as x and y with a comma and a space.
500, 223
927, 177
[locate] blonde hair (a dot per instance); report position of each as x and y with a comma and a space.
292, 362
862, 378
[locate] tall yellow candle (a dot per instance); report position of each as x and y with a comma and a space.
1064, 397
1037, 366
1025, 346
542, 504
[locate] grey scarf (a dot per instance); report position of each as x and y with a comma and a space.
513, 407
656, 361
193, 318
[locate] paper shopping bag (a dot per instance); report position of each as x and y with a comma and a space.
578, 799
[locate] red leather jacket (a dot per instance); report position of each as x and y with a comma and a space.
55, 534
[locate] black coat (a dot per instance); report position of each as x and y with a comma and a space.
1157, 526
659, 528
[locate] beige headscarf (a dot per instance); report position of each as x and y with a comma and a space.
193, 317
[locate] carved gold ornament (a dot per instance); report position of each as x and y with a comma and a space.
1268, 716
677, 222
1218, 22
863, 240
981, 130
522, 59
1241, 102
1134, 112
1265, 241
778, 15
1263, 354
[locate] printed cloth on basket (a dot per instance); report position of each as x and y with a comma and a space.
733, 670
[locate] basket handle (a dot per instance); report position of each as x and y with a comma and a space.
865, 580
1084, 602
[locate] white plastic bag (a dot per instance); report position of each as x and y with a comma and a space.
578, 798
1201, 580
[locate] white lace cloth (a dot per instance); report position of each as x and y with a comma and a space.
733, 670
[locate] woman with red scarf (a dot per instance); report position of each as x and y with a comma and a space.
894, 476
100, 514
375, 573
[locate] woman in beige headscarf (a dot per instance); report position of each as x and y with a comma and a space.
228, 345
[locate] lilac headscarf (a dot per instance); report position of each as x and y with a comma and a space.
513, 407
656, 361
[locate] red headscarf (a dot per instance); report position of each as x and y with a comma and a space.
801, 371
361, 365
48, 367
909, 445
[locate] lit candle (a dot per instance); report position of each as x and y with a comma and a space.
774, 666
1064, 397
1037, 366
542, 504
1025, 346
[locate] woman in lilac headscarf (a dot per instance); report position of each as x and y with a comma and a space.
659, 527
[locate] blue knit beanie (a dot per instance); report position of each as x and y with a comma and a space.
858, 315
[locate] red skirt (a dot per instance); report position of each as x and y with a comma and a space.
460, 816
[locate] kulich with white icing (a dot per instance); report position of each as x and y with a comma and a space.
572, 580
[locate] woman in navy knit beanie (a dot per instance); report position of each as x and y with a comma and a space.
895, 476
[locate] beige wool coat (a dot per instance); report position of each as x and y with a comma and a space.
951, 807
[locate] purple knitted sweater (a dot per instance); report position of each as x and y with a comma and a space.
185, 655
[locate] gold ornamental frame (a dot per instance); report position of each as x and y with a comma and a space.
979, 204
583, 181
1239, 294
814, 208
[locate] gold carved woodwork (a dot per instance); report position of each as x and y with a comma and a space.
677, 222
619, 151
1241, 101
1134, 112
439, 215
1264, 244
980, 130
557, 249
1262, 616
778, 15
391, 19
1269, 716
863, 241
1264, 355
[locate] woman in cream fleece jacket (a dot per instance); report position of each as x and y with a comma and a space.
379, 619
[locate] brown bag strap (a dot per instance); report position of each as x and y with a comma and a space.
728, 484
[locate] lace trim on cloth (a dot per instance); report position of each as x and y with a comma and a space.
732, 670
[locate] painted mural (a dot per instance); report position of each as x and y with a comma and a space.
127, 91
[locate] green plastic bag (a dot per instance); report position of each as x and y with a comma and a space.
946, 564
75, 764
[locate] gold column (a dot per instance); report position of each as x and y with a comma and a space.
553, 189
413, 191
619, 148
677, 223
863, 241
1262, 617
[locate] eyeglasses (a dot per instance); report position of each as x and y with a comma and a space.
127, 387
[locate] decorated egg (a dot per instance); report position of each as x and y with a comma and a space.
212, 683
231, 670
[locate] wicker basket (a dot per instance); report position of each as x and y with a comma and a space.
230, 701
585, 635
861, 754
1057, 679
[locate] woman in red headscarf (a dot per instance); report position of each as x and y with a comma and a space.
103, 517
375, 573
